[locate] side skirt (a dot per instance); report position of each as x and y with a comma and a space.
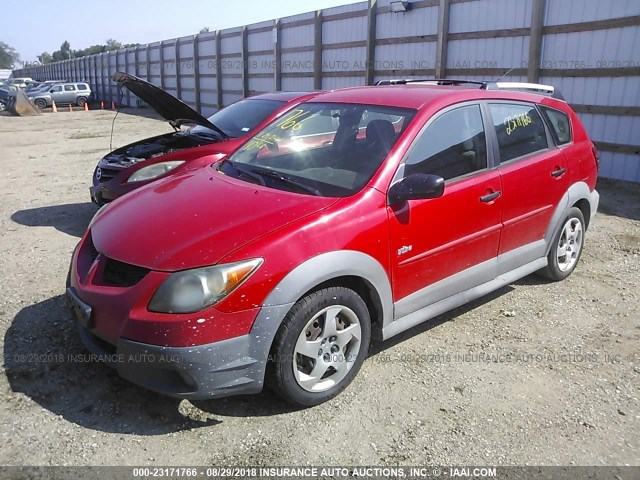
449, 303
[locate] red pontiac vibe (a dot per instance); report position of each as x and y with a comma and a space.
278, 264
147, 160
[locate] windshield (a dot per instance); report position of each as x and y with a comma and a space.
327, 149
240, 118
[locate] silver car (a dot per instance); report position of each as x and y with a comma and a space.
67, 93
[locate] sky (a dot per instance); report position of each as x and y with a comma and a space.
41, 26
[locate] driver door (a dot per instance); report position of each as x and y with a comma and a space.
445, 245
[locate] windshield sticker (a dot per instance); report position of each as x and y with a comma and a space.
512, 122
294, 121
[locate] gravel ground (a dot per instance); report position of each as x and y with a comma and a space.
536, 373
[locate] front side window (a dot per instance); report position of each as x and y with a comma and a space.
327, 149
519, 128
452, 146
560, 125
56, 89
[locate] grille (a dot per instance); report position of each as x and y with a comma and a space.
119, 274
107, 174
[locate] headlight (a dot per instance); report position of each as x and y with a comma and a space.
153, 171
193, 290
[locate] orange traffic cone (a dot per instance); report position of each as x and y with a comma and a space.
102, 105
86, 107
54, 109
113, 105
70, 108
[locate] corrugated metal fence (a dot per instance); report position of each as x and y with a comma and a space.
586, 48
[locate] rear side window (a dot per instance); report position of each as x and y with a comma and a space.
81, 86
452, 146
69, 88
560, 125
519, 128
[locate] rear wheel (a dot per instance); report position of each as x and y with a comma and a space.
320, 346
3, 107
81, 101
40, 103
566, 247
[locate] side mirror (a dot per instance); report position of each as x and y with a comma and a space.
415, 187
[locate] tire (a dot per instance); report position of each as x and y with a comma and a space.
566, 247
80, 101
306, 343
40, 103
3, 107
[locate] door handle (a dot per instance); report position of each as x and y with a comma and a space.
490, 197
558, 172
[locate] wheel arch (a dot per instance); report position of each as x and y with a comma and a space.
577, 195
347, 268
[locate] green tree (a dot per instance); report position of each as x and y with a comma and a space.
45, 57
8, 56
65, 52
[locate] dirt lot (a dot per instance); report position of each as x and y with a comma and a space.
536, 373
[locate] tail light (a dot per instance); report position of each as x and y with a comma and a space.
596, 155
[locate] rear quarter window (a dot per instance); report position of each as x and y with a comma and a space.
519, 128
560, 125
81, 86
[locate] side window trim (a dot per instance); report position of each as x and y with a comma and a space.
400, 171
550, 142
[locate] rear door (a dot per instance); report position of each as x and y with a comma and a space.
534, 177
69, 93
444, 245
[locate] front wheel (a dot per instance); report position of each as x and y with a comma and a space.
3, 107
41, 103
320, 346
566, 247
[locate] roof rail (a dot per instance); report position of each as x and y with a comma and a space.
538, 88
429, 81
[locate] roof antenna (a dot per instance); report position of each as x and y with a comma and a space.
505, 74
113, 122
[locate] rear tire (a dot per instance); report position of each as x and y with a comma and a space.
40, 103
3, 107
81, 101
566, 247
320, 346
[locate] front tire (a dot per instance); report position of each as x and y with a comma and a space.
320, 346
566, 247
40, 103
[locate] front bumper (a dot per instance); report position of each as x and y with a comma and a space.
227, 367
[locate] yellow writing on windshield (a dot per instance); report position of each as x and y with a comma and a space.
294, 120
261, 140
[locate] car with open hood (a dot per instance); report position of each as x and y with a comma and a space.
359, 214
139, 163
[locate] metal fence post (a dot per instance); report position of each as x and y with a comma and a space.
218, 69
177, 59
535, 41
371, 42
277, 55
244, 57
317, 51
196, 70
442, 39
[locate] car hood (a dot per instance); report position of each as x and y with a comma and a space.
167, 106
194, 220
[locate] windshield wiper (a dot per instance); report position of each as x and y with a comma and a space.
289, 181
247, 172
